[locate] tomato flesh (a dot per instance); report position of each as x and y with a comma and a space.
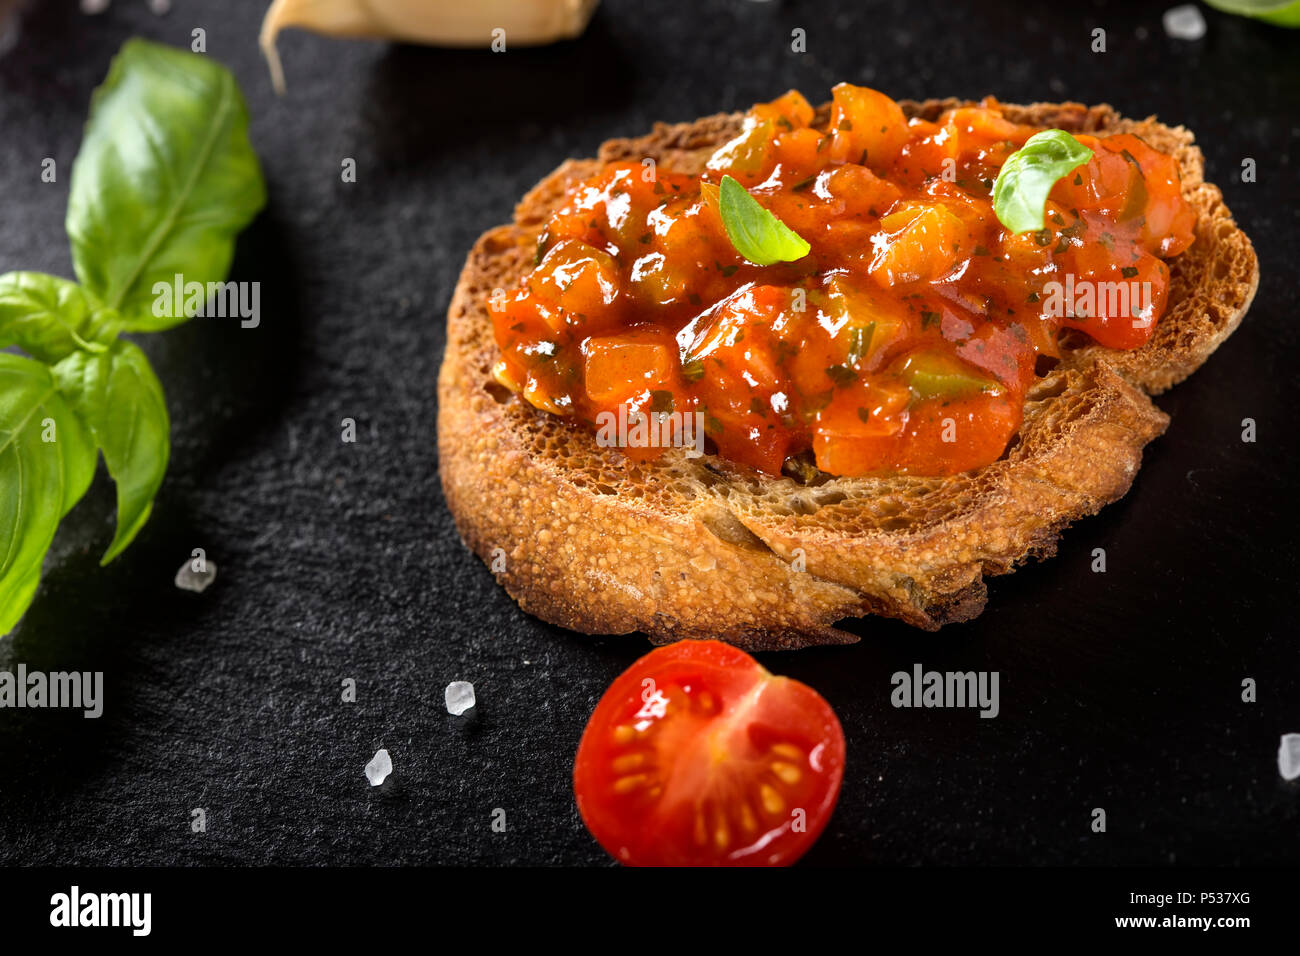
907, 263
698, 756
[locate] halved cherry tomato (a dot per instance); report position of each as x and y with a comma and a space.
698, 756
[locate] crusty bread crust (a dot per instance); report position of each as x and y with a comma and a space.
681, 548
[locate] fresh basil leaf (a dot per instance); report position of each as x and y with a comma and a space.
48, 317
47, 461
757, 234
1028, 175
165, 179
118, 396
1284, 13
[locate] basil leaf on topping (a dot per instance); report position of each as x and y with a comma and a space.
757, 234
1028, 175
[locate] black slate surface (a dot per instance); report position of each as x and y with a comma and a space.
1118, 690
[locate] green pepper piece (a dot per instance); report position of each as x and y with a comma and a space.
931, 375
747, 152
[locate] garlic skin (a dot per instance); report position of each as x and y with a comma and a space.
455, 23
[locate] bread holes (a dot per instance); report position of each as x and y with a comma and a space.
726, 527
1052, 386
807, 501
800, 505
887, 508
1071, 339
709, 476
827, 496
1044, 364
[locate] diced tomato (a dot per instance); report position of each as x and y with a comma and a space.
858, 430
866, 127
949, 437
1005, 353
921, 242
1115, 302
788, 111
698, 756
579, 281
735, 360
905, 337
931, 150
858, 192
976, 127
800, 151
621, 367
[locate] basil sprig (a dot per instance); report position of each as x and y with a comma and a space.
755, 232
1028, 175
164, 180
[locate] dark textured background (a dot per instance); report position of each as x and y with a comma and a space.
1119, 690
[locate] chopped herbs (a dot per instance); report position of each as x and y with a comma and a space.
661, 402
841, 375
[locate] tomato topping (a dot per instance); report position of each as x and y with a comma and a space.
903, 342
697, 756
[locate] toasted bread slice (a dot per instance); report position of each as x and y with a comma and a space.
702, 547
